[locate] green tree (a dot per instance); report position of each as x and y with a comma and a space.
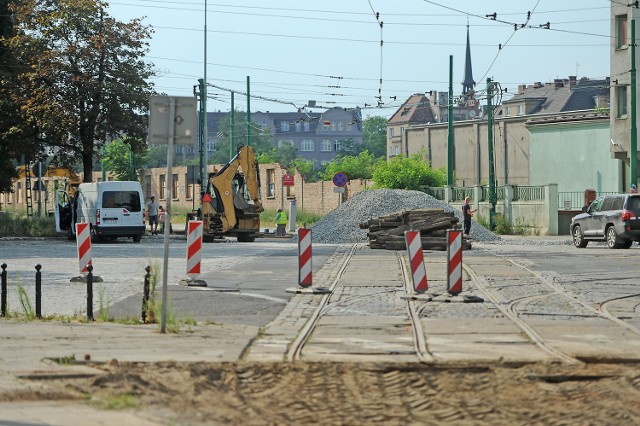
118, 159
374, 135
261, 139
408, 173
85, 79
359, 166
18, 140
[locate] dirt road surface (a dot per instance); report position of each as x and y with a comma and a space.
358, 394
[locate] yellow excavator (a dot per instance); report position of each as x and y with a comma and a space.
231, 204
72, 178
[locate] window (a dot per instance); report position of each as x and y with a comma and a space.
507, 112
179, 149
147, 185
621, 101
298, 126
336, 145
163, 186
307, 145
306, 126
621, 32
520, 110
129, 200
284, 126
211, 145
391, 131
349, 126
19, 192
340, 126
188, 186
174, 188
327, 126
271, 183
333, 126
326, 145
191, 149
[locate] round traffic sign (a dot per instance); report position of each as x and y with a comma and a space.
339, 179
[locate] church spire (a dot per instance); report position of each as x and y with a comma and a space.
468, 83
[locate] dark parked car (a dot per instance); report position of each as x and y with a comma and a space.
611, 218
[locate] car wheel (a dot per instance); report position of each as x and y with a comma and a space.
613, 241
578, 238
137, 238
627, 244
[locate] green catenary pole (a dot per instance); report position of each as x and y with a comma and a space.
493, 199
633, 145
248, 114
232, 132
450, 139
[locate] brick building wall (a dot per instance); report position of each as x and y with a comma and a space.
314, 197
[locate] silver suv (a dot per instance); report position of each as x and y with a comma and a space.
611, 218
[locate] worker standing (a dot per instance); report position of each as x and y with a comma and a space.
281, 223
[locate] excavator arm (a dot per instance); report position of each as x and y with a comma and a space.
227, 184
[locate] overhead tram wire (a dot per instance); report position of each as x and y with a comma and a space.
516, 27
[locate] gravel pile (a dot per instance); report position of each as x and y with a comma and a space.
341, 225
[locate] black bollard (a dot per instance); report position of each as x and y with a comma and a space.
90, 292
38, 291
145, 293
3, 295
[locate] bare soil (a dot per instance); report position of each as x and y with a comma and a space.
363, 393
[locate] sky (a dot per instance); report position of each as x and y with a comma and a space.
371, 54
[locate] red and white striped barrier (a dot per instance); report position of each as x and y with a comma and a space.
194, 247
83, 241
454, 264
304, 257
416, 257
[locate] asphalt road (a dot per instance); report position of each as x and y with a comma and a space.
246, 282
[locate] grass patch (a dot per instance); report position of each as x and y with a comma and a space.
13, 224
268, 218
27, 307
116, 402
103, 310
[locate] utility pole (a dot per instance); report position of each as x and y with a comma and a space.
201, 137
248, 114
493, 198
232, 132
450, 139
633, 144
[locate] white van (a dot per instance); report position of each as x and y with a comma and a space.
113, 208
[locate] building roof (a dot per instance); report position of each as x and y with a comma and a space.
561, 95
416, 110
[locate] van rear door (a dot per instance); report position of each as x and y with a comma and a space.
120, 208
62, 211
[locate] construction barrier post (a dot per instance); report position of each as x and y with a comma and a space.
194, 247
90, 292
304, 258
145, 293
3, 296
416, 258
83, 240
454, 261
38, 291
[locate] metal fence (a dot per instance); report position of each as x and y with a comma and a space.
528, 193
575, 200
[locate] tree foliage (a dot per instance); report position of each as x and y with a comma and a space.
359, 166
261, 139
17, 138
408, 173
374, 135
83, 80
121, 159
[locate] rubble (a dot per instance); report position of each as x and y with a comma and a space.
342, 224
